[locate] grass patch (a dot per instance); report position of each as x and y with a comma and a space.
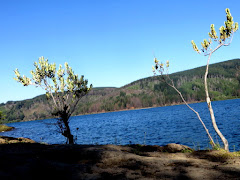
187, 150
4, 127
223, 155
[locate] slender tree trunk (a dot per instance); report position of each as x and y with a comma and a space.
224, 140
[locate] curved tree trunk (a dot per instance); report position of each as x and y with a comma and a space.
224, 140
67, 132
64, 126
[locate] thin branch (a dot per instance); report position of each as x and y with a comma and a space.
171, 84
180, 94
75, 104
230, 40
48, 89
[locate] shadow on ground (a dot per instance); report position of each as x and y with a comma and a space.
39, 161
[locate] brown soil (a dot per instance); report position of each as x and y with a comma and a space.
38, 161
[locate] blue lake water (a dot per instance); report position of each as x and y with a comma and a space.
154, 126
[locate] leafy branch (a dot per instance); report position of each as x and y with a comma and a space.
225, 37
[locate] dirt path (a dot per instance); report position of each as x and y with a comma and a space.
38, 161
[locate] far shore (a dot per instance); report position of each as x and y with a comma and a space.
128, 109
132, 108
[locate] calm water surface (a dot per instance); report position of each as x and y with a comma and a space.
154, 126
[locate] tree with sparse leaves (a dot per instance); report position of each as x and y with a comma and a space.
64, 89
215, 42
162, 69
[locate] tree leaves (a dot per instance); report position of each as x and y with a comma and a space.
195, 47
226, 33
59, 84
160, 67
212, 34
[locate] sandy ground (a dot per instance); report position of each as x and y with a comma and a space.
39, 161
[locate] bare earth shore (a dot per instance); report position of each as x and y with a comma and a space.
21, 158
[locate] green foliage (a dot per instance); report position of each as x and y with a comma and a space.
122, 94
45, 72
137, 86
16, 116
225, 34
122, 100
2, 116
217, 147
187, 150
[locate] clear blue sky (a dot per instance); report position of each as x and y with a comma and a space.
111, 42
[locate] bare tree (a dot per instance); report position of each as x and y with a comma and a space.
63, 89
225, 39
162, 69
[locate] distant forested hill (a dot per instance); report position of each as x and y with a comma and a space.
224, 83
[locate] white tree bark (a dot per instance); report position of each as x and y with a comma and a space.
224, 140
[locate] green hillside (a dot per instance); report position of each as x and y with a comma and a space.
224, 83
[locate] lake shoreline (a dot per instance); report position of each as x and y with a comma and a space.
129, 109
33, 160
4, 128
